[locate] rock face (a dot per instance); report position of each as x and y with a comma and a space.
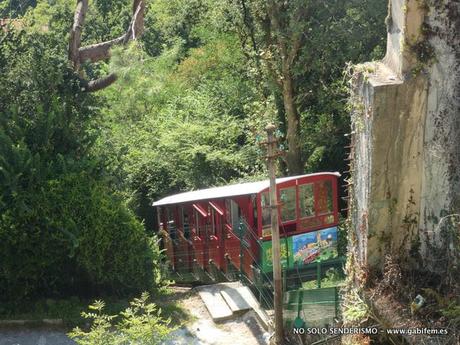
406, 140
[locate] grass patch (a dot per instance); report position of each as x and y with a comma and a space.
69, 309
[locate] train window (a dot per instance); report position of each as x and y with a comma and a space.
171, 222
288, 208
233, 213
265, 202
185, 222
324, 194
306, 200
198, 224
254, 208
228, 212
213, 221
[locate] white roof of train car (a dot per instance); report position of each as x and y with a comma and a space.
228, 191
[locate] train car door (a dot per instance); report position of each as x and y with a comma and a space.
232, 248
215, 252
185, 245
171, 227
199, 235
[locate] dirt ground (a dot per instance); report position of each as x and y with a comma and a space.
201, 329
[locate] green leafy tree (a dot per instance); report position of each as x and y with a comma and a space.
303, 47
169, 22
62, 229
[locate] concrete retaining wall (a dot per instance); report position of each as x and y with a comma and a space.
406, 137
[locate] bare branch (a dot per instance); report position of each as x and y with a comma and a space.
101, 83
134, 25
98, 51
75, 33
138, 20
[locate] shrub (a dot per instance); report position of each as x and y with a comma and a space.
111, 250
140, 324
73, 236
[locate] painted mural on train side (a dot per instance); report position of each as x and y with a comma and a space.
303, 249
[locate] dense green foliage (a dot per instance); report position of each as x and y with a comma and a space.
192, 97
75, 237
62, 229
179, 126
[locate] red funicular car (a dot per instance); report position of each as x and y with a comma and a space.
227, 228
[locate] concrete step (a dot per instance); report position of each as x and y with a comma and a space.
226, 300
262, 316
215, 303
235, 299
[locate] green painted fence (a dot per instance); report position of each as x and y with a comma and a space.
311, 307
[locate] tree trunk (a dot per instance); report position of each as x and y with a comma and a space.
101, 83
288, 45
138, 15
294, 154
75, 33
100, 51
